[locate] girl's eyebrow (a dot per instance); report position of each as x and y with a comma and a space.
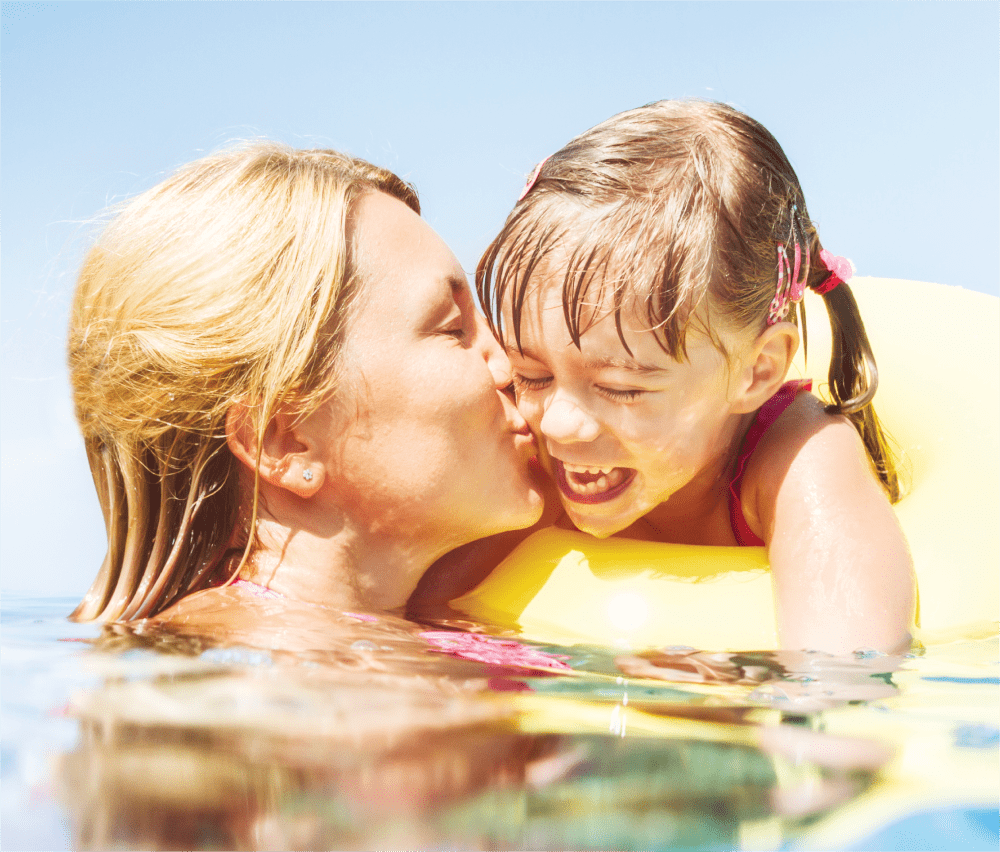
607, 362
619, 363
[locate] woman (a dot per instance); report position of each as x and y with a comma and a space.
285, 392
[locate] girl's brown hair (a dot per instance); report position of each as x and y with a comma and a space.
230, 282
667, 206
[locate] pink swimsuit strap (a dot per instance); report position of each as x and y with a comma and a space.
768, 413
259, 591
256, 589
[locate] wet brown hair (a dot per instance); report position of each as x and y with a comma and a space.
230, 282
665, 208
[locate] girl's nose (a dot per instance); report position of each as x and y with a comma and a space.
566, 422
496, 358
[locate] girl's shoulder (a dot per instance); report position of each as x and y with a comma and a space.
804, 449
803, 418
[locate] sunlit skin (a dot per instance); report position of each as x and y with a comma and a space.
643, 446
419, 450
436, 452
668, 428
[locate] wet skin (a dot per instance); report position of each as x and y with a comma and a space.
628, 437
428, 449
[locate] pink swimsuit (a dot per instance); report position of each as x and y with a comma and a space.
769, 412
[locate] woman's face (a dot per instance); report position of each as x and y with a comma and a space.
432, 453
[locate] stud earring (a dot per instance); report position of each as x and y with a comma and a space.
307, 475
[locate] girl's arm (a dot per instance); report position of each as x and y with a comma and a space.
843, 574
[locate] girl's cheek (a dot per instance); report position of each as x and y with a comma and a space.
530, 410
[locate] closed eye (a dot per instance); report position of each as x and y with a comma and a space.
525, 383
455, 325
616, 395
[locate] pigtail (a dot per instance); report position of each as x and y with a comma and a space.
853, 378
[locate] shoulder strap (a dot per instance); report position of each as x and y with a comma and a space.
767, 414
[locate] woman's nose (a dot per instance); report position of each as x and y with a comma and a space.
496, 358
566, 422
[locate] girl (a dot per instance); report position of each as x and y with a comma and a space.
647, 287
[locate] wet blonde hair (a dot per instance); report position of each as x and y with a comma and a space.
665, 208
230, 282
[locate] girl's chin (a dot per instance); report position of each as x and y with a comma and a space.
595, 526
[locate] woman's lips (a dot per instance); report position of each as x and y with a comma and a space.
593, 485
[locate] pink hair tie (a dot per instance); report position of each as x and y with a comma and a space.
532, 180
841, 271
791, 283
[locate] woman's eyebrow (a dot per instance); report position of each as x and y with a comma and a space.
440, 303
457, 284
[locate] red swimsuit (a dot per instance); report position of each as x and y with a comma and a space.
769, 412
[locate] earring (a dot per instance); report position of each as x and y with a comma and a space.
307, 475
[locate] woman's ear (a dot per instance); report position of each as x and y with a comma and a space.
286, 456
768, 361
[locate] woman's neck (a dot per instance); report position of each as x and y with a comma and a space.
343, 569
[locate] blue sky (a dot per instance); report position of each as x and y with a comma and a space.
889, 112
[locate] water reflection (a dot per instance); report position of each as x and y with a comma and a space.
443, 779
455, 743
797, 681
232, 761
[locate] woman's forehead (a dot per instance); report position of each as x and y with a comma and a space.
397, 253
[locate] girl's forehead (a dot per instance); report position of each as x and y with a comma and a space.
611, 311
595, 290
589, 295
544, 317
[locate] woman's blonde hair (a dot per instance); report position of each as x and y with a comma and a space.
230, 282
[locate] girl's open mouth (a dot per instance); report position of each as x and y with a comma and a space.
583, 484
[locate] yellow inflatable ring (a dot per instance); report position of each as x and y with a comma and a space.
938, 352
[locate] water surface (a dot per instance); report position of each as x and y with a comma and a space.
397, 736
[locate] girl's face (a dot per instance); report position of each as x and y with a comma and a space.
622, 434
426, 450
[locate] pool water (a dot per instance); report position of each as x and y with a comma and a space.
436, 738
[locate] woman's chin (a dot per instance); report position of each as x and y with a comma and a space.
532, 490
536, 509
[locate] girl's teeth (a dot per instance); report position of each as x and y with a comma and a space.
608, 478
579, 468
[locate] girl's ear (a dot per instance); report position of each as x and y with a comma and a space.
769, 359
287, 454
